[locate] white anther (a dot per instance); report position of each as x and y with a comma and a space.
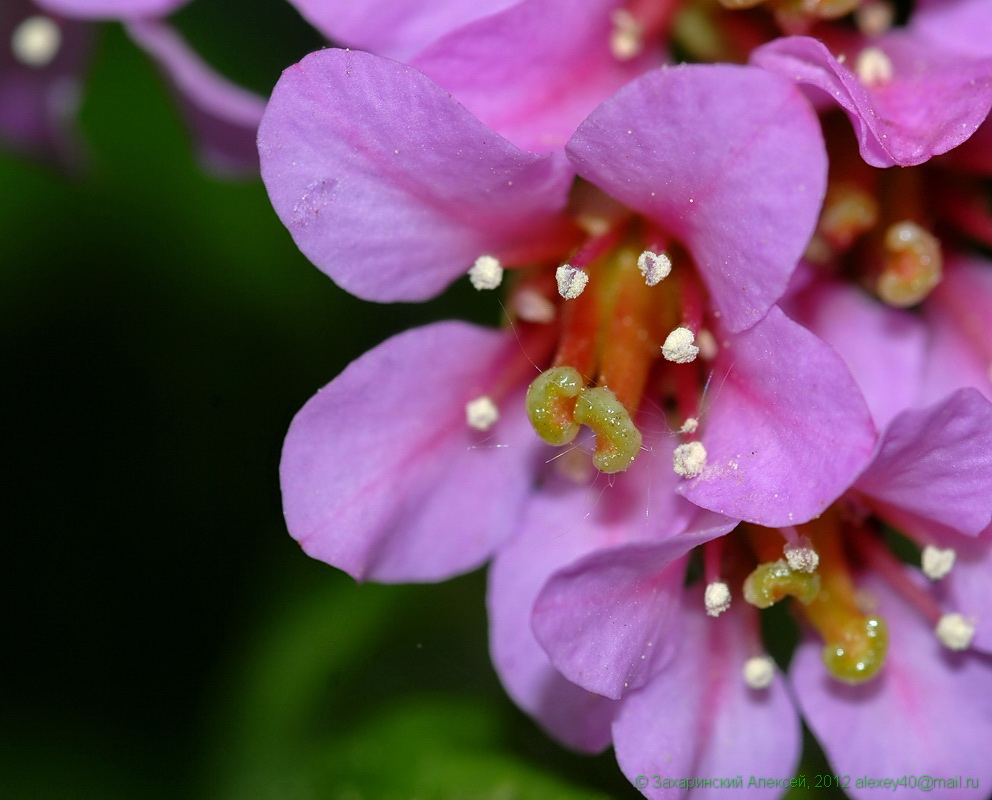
937, 562
717, 598
707, 345
486, 273
759, 671
874, 18
679, 347
873, 67
627, 36
955, 632
36, 41
689, 426
801, 558
655, 267
689, 459
571, 281
532, 306
481, 413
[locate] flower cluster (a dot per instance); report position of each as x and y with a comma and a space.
746, 359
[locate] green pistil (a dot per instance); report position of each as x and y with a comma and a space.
617, 439
772, 581
558, 403
857, 650
551, 404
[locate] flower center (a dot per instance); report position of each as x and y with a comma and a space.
613, 333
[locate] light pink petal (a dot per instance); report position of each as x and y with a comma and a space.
728, 159
959, 26
698, 718
111, 9
537, 97
224, 117
883, 347
935, 463
787, 430
389, 185
925, 714
934, 101
382, 476
393, 28
611, 619
960, 328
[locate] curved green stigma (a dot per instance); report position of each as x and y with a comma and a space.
551, 404
860, 652
617, 439
772, 581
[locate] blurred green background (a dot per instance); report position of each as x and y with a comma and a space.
164, 636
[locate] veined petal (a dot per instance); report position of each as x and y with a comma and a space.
728, 159
935, 463
393, 28
390, 186
562, 522
698, 717
224, 116
381, 475
787, 430
611, 619
534, 96
900, 121
884, 347
920, 716
111, 9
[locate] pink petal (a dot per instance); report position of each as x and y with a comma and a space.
728, 159
381, 475
610, 620
698, 718
389, 185
935, 463
224, 116
883, 347
898, 121
111, 9
394, 28
924, 715
787, 431
537, 98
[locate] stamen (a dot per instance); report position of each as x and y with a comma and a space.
771, 581
481, 413
551, 402
655, 267
706, 342
627, 36
486, 273
874, 17
937, 562
617, 439
955, 632
571, 281
689, 459
530, 305
759, 671
689, 426
799, 552
716, 598
679, 347
873, 67
912, 265
36, 41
